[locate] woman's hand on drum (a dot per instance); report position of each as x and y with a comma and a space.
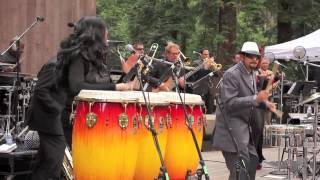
135, 84
129, 86
163, 87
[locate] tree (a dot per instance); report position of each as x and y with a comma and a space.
227, 27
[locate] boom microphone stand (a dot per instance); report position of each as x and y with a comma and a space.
203, 170
163, 170
17, 83
240, 164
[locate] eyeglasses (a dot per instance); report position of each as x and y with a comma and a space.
140, 49
252, 56
174, 53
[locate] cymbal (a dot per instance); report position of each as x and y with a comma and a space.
14, 74
310, 99
6, 64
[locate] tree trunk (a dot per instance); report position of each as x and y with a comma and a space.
227, 27
285, 30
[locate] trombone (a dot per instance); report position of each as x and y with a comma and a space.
153, 51
186, 60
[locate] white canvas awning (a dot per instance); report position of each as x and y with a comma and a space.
310, 42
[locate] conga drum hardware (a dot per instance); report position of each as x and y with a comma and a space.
190, 120
146, 121
91, 117
123, 120
73, 112
169, 120
200, 122
161, 123
135, 123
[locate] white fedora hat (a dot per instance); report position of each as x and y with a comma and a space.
250, 48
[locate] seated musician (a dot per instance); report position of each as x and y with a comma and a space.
205, 86
172, 53
133, 58
12, 56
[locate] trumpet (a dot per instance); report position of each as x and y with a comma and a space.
213, 65
186, 60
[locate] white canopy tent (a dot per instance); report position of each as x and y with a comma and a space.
310, 42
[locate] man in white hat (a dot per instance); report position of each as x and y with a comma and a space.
238, 98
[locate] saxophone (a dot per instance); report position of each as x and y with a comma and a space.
67, 165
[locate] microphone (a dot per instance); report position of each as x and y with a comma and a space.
130, 48
40, 18
282, 65
115, 41
195, 52
271, 58
32, 140
71, 24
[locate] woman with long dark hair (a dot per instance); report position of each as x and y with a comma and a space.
82, 64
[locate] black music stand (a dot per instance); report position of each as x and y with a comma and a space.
303, 87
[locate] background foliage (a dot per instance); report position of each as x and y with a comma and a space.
195, 24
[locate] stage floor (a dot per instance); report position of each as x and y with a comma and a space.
218, 170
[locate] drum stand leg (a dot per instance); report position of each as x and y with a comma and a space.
7, 136
203, 170
278, 171
315, 139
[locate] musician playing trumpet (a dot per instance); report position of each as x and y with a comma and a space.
204, 86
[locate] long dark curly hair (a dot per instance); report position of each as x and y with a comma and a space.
86, 41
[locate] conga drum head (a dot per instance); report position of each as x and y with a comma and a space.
192, 99
105, 96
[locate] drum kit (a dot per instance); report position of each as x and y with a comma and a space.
14, 102
112, 134
301, 136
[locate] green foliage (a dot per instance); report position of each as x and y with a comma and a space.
254, 23
194, 24
114, 12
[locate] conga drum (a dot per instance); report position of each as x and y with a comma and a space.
181, 157
148, 163
105, 135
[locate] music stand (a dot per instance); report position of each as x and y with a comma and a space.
303, 87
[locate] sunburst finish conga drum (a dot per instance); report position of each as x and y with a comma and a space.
105, 135
148, 163
181, 154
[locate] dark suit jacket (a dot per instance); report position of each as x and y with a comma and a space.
44, 114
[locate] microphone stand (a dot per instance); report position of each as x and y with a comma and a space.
240, 164
203, 170
17, 84
163, 175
